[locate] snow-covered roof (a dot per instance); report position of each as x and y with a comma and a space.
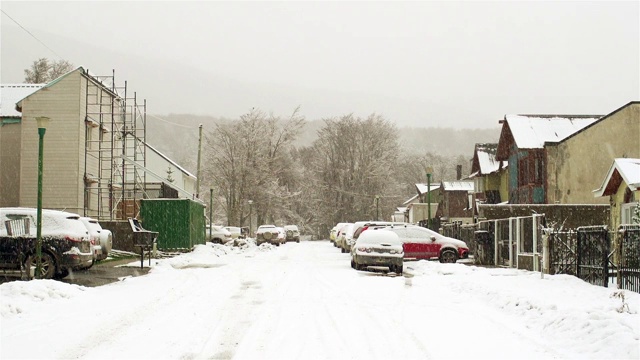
486, 154
410, 200
424, 188
11, 94
627, 169
401, 209
532, 131
458, 185
171, 161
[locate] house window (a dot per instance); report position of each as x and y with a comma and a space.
627, 213
538, 169
89, 136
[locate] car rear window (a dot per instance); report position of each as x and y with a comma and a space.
378, 237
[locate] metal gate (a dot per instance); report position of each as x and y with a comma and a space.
593, 255
562, 252
629, 252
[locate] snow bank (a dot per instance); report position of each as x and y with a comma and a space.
585, 319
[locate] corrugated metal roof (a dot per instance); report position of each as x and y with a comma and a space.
11, 94
532, 131
458, 185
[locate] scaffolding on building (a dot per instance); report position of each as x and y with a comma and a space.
113, 182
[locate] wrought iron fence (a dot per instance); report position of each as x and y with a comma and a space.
585, 252
628, 269
592, 251
562, 252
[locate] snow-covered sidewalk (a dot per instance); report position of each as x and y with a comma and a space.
304, 301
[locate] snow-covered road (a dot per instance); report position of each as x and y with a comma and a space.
304, 301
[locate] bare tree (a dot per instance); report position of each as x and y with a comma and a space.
59, 68
354, 161
250, 160
43, 71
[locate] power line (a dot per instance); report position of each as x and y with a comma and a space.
29, 32
169, 122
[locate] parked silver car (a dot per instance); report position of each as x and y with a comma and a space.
378, 249
102, 239
344, 237
217, 234
270, 234
292, 233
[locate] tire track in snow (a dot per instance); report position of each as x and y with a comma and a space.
241, 309
115, 327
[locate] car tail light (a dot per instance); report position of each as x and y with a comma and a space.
74, 239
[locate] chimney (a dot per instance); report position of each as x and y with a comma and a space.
458, 172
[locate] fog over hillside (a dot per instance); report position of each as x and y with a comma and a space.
176, 135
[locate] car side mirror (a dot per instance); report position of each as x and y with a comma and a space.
433, 238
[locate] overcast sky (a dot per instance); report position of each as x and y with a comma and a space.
447, 64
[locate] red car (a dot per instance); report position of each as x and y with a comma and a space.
421, 243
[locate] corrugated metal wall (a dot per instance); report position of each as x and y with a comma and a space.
179, 222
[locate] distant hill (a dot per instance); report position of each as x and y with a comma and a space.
176, 135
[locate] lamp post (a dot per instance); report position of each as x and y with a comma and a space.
429, 170
377, 208
250, 218
43, 121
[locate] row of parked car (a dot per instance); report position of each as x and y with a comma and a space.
265, 234
277, 235
68, 242
223, 234
388, 244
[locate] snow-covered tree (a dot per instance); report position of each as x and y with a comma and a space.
250, 159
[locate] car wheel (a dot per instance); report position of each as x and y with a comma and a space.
448, 256
353, 264
47, 265
298, 241
398, 269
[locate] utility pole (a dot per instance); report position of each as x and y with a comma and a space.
377, 208
210, 213
199, 151
429, 170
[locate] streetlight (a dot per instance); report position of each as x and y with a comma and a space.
377, 208
429, 171
43, 121
250, 219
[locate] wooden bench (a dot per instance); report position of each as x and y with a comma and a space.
144, 239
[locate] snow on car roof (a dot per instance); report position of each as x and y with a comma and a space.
379, 236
